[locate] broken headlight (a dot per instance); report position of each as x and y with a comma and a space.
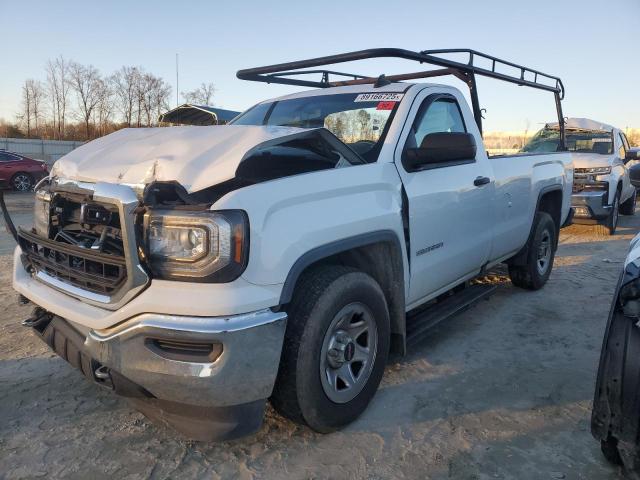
42, 213
201, 246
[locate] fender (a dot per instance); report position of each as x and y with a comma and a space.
544, 191
333, 248
520, 257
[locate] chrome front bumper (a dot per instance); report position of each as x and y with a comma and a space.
244, 372
590, 205
156, 361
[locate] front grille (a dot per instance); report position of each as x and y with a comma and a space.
80, 267
581, 186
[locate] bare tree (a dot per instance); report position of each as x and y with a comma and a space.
58, 83
161, 96
104, 108
203, 95
124, 83
86, 82
38, 96
26, 113
33, 95
155, 97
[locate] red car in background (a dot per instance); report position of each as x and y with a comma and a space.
19, 172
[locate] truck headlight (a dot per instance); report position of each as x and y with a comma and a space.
201, 246
593, 171
42, 213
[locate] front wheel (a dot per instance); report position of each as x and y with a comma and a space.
335, 348
541, 252
611, 223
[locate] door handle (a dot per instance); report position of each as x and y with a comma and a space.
479, 181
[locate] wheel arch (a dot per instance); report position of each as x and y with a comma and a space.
378, 254
549, 201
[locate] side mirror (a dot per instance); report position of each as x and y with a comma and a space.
442, 147
632, 154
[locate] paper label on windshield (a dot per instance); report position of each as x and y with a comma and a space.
601, 140
379, 97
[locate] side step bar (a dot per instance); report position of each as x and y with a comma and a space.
422, 320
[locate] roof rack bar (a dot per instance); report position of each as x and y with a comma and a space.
395, 78
559, 87
283, 72
272, 73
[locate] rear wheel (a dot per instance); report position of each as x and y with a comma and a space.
22, 182
335, 348
629, 206
610, 225
541, 252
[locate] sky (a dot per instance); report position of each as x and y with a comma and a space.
594, 46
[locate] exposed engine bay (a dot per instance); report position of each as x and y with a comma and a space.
81, 223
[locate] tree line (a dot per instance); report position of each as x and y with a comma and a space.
78, 102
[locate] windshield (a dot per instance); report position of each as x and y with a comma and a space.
580, 141
358, 120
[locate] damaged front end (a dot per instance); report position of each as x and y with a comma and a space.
105, 243
615, 420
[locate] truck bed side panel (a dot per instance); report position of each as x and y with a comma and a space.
519, 180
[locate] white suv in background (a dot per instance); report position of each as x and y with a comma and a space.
601, 153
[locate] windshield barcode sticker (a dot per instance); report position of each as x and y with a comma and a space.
379, 97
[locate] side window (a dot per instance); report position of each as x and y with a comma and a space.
624, 146
442, 115
7, 157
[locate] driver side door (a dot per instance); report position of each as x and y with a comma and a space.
449, 204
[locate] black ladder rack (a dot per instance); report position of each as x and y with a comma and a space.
282, 73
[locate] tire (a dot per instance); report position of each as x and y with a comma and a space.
615, 417
629, 206
611, 223
535, 273
22, 182
310, 367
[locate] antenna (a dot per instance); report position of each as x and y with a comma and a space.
177, 84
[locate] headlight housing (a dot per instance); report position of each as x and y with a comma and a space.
42, 213
593, 171
203, 246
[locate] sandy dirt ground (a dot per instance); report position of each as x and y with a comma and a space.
502, 391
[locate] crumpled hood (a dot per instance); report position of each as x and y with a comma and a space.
195, 157
590, 160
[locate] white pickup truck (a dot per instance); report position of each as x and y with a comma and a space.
602, 188
200, 271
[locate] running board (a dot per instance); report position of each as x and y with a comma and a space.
421, 321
